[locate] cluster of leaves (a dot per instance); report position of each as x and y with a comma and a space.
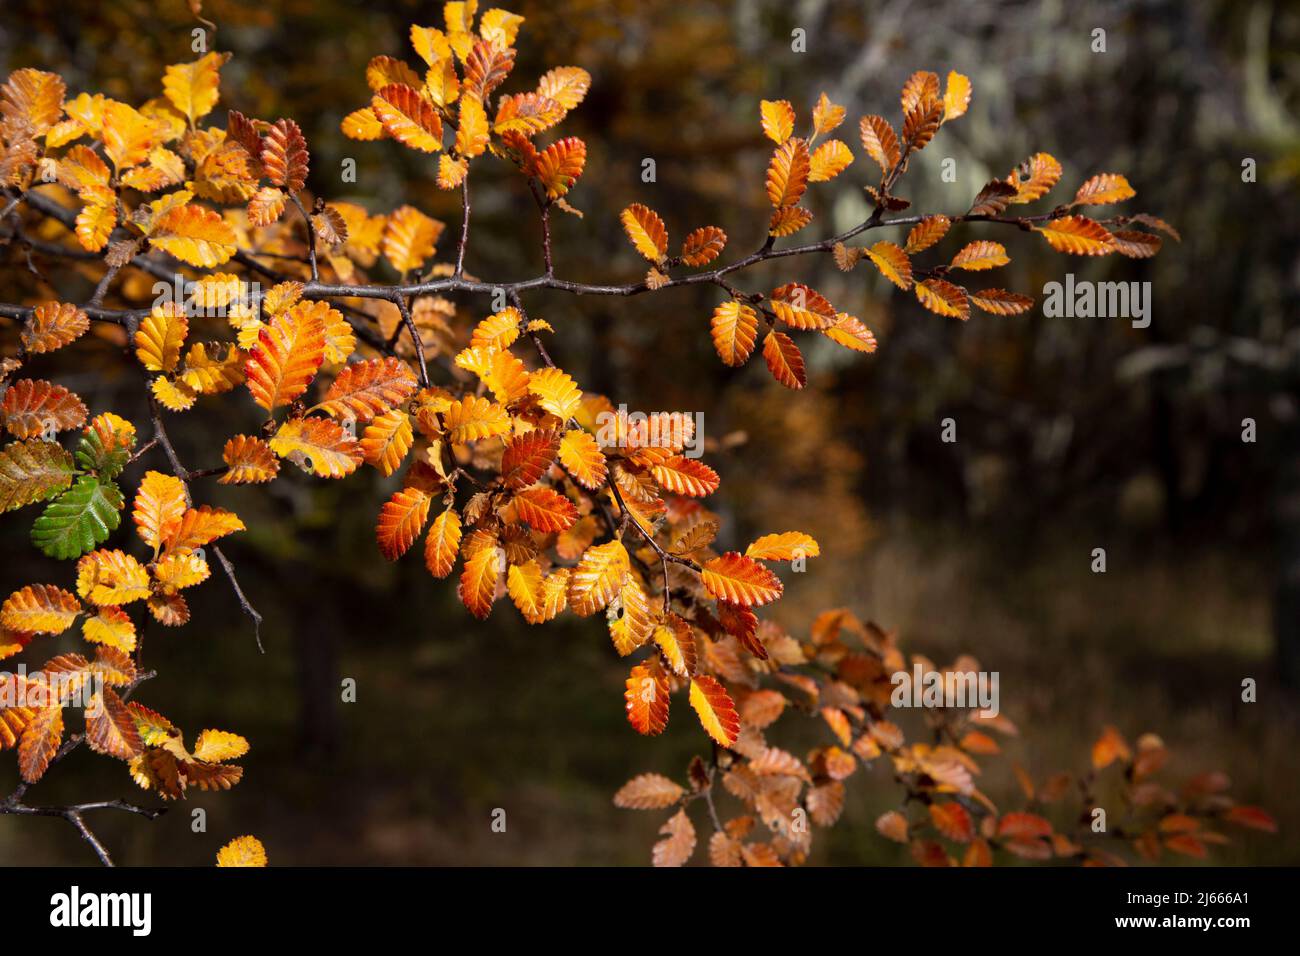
841, 675
31, 714
546, 494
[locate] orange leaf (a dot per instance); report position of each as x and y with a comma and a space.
734, 328
401, 520
289, 350
1077, 235
646, 697
712, 704
1102, 190
892, 262
943, 298
442, 544
787, 174
478, 581
678, 843
686, 476
408, 117
649, 791
880, 141
777, 117
545, 509
646, 231
784, 360
703, 245
740, 580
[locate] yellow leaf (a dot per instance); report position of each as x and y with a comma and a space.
830, 159
39, 609
646, 231
713, 705
598, 577
319, 446
442, 544
160, 503
734, 330
740, 580
557, 393
195, 235
956, 95
892, 262
242, 851
160, 336
786, 546
474, 418
778, 120
193, 87
1077, 235
1102, 190
409, 238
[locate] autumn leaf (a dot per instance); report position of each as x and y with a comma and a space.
598, 577
943, 298
40, 609
161, 336
892, 262
545, 509
581, 456
1077, 235
784, 360
478, 581
363, 390
703, 245
880, 142
195, 235
1001, 302
32, 471
1034, 178
244, 851
408, 118
442, 544
788, 172
193, 87
713, 705
560, 165
646, 231
646, 699
52, 326
786, 546
1102, 190
289, 350
678, 843
734, 328
976, 256
33, 407
829, 160
401, 520
686, 476
956, 95
409, 238
649, 791
556, 392
319, 446
248, 461
777, 118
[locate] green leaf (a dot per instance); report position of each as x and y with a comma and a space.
78, 519
32, 471
107, 463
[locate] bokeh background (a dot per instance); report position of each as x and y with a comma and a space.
1072, 433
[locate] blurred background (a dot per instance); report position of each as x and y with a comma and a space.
1073, 433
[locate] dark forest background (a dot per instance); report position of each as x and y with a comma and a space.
1073, 434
